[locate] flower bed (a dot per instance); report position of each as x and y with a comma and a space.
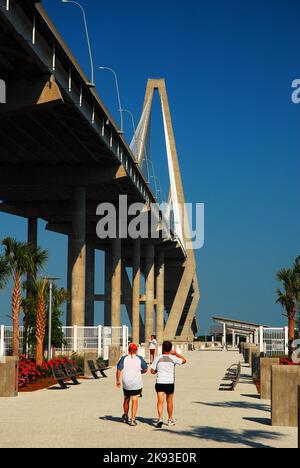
29, 373
288, 362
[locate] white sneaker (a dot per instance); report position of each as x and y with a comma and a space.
172, 422
132, 422
159, 424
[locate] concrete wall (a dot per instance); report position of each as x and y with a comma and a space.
285, 382
265, 377
8, 377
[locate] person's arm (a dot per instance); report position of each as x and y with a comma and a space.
153, 367
144, 366
118, 378
120, 367
174, 353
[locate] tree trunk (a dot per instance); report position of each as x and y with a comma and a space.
291, 318
16, 307
40, 331
39, 354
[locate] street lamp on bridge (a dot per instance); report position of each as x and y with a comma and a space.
118, 94
91, 83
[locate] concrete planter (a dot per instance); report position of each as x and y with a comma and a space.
115, 354
8, 377
265, 376
91, 356
285, 382
248, 348
256, 365
253, 350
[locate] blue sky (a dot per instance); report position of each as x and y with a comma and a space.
229, 68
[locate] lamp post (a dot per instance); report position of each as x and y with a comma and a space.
50, 281
133, 126
91, 83
118, 94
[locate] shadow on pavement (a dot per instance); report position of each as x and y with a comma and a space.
256, 397
263, 421
236, 404
118, 420
248, 438
57, 388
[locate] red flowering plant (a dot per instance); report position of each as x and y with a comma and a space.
288, 362
30, 373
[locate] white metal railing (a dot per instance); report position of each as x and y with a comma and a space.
76, 339
273, 341
6, 340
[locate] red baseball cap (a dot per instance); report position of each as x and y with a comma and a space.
133, 348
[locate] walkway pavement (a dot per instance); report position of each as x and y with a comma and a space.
89, 415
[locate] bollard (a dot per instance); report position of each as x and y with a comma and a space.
299, 416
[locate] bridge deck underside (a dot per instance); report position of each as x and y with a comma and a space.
48, 149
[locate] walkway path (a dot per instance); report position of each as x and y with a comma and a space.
89, 415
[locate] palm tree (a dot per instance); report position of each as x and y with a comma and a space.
21, 259
59, 297
4, 272
41, 317
289, 298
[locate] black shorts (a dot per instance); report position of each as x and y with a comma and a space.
168, 389
130, 393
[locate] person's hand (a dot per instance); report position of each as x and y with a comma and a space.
173, 352
118, 383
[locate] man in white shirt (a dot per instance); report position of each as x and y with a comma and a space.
152, 347
132, 367
164, 368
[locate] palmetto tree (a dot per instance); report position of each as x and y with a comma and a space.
289, 297
4, 272
41, 317
21, 259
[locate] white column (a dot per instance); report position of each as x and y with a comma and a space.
233, 339
261, 339
124, 339
224, 335
286, 339
75, 338
99, 341
2, 340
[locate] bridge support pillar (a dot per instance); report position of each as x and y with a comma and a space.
107, 288
116, 284
136, 281
32, 231
150, 280
32, 238
90, 284
160, 297
69, 282
79, 256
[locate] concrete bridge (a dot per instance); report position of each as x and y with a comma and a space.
61, 155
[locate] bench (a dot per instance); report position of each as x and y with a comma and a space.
73, 371
233, 377
61, 376
94, 370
